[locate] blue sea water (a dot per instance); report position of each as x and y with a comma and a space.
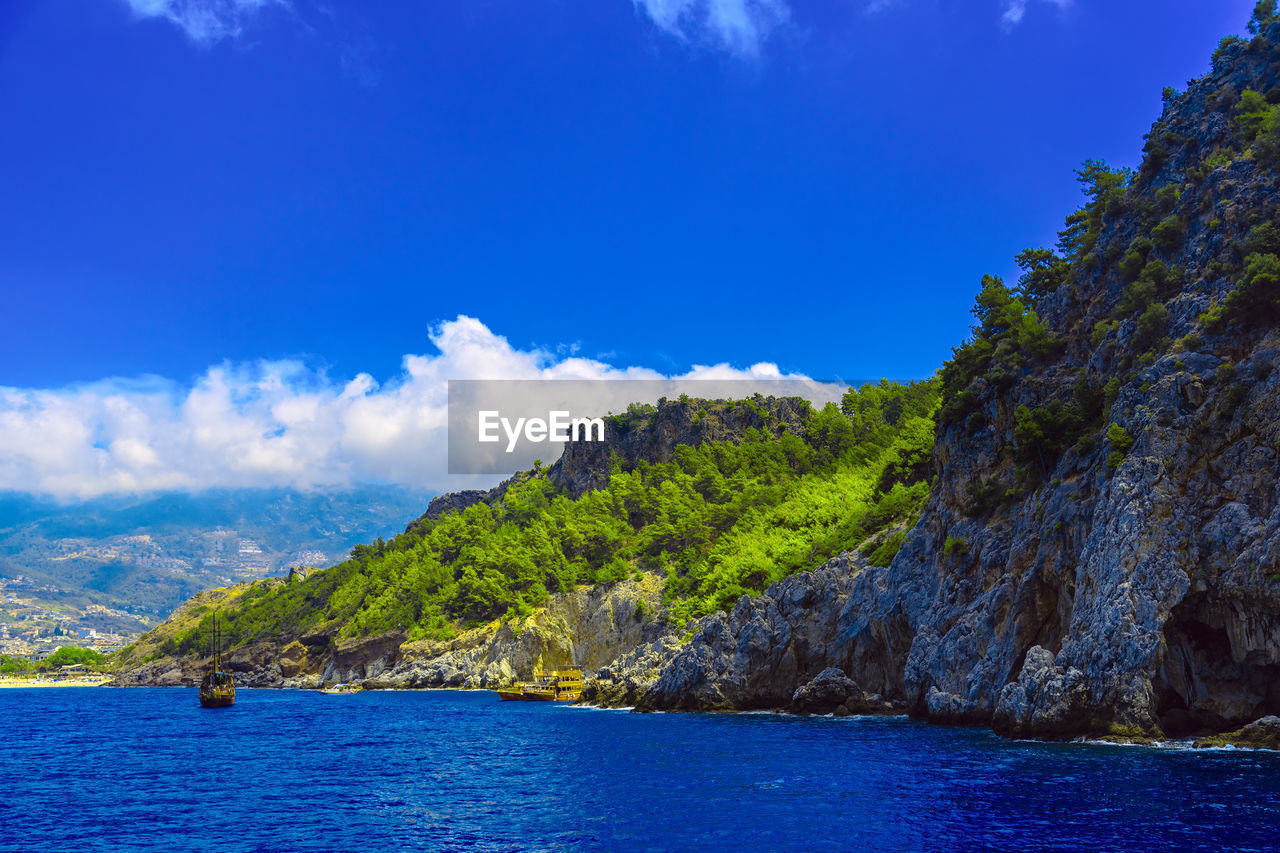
147, 769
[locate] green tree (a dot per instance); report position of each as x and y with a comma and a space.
1254, 299
1043, 272
1121, 442
15, 665
1167, 235
1105, 188
1151, 325
70, 655
1264, 12
1253, 114
1041, 434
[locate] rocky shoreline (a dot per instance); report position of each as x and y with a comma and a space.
801, 648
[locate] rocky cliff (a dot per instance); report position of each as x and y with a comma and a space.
1101, 551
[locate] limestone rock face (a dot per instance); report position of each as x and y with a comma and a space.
761, 653
622, 682
163, 673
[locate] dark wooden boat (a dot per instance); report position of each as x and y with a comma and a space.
217, 688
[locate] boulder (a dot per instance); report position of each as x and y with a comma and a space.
1263, 733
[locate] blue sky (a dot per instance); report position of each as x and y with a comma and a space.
202, 185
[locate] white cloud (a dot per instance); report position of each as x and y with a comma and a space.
738, 26
205, 21
1015, 10
273, 423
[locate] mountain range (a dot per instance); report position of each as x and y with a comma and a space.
132, 559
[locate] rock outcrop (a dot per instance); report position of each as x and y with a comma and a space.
773, 651
833, 692
1260, 734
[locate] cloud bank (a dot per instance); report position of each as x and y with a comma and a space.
272, 423
739, 26
205, 22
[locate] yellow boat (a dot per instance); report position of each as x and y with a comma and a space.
555, 685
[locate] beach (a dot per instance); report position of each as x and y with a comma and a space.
88, 681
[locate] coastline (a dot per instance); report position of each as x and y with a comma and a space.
50, 682
1189, 744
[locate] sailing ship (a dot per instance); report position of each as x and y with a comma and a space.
217, 688
554, 685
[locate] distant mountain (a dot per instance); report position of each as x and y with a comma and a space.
121, 563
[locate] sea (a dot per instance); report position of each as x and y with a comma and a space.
141, 769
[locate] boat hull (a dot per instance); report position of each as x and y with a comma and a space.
217, 700
217, 690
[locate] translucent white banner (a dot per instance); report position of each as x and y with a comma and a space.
499, 426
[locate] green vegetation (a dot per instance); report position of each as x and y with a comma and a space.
720, 521
1167, 235
1264, 12
1136, 257
1007, 338
1121, 442
1151, 326
1043, 272
65, 656
1010, 337
883, 554
1259, 123
10, 665
1105, 188
1254, 299
1041, 434
71, 655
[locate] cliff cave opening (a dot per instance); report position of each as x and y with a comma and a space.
1207, 685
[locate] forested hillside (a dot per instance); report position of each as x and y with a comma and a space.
720, 519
